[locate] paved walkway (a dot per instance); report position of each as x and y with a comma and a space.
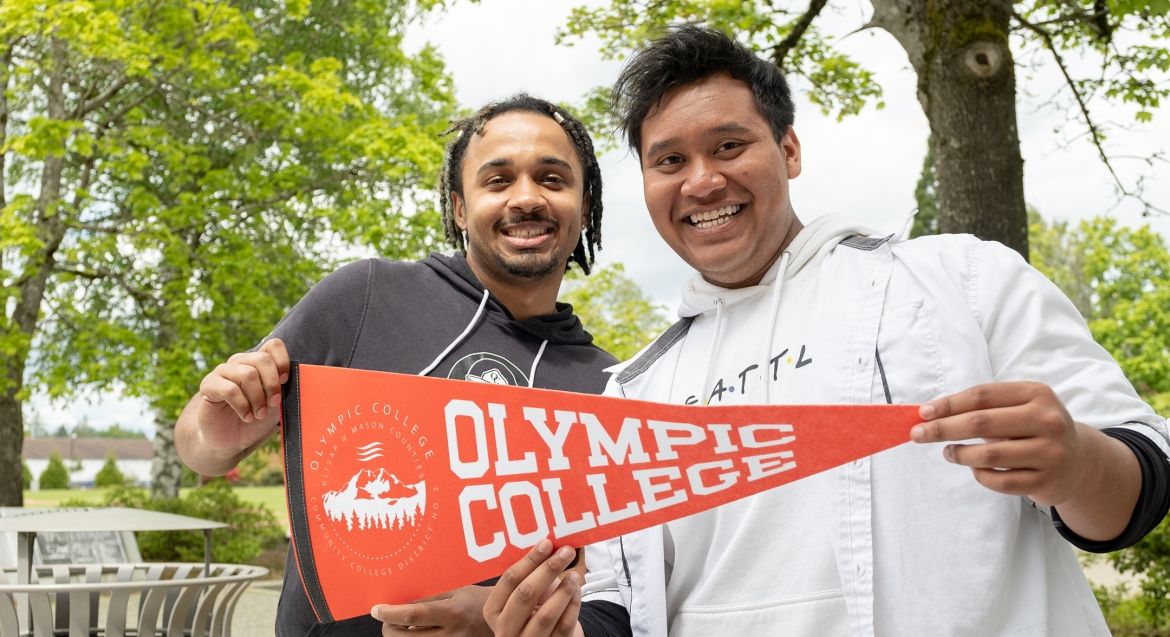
256, 611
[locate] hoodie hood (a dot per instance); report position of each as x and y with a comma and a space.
807, 250
562, 327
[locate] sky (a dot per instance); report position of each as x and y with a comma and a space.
864, 167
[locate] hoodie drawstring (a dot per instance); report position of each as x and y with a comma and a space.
459, 339
774, 308
535, 362
773, 311
706, 386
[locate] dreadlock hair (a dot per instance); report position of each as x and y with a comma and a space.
451, 180
689, 53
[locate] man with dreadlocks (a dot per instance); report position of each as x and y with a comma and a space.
521, 200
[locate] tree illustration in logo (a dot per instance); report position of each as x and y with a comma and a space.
376, 499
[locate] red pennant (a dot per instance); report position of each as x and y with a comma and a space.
401, 487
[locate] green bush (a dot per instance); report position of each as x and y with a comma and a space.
1126, 614
55, 476
109, 475
27, 474
271, 477
188, 478
250, 527
262, 469
1149, 607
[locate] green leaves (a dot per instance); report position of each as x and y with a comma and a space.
1119, 278
614, 310
837, 83
178, 173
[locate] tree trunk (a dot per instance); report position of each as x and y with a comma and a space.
50, 231
967, 88
12, 433
166, 470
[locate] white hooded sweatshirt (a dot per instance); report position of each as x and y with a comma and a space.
901, 543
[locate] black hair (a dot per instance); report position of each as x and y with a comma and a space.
451, 180
689, 53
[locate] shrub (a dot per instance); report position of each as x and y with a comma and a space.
250, 527
263, 468
55, 476
1149, 560
188, 478
1127, 614
271, 477
109, 475
26, 473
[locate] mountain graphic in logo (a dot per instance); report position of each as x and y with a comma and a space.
376, 500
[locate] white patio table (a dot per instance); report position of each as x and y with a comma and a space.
174, 599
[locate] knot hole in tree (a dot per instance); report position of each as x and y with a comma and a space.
983, 59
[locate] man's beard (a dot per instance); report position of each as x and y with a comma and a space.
529, 265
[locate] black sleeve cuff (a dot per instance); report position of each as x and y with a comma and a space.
1153, 500
605, 619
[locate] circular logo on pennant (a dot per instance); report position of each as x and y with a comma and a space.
485, 367
373, 503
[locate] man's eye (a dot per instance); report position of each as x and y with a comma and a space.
726, 146
553, 179
496, 181
670, 160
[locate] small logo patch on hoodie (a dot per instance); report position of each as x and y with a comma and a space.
485, 367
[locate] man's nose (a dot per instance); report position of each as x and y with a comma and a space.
703, 180
527, 195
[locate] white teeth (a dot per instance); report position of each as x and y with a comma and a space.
526, 233
711, 218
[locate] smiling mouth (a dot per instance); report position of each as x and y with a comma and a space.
713, 218
528, 232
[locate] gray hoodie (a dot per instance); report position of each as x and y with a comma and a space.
434, 318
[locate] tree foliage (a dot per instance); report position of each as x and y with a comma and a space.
615, 311
1119, 278
175, 174
109, 475
965, 55
55, 475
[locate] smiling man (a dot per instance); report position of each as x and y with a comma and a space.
1031, 439
521, 200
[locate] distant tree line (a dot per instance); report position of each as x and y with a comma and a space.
84, 430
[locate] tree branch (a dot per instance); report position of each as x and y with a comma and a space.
780, 51
139, 294
1095, 134
85, 107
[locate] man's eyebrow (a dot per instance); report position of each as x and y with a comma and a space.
494, 163
722, 129
730, 127
661, 145
502, 162
555, 161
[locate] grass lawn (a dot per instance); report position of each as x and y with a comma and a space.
271, 497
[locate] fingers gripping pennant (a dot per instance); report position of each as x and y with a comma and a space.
401, 487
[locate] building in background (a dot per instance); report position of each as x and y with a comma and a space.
84, 457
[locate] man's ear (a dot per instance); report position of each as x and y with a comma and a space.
791, 146
585, 209
458, 211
